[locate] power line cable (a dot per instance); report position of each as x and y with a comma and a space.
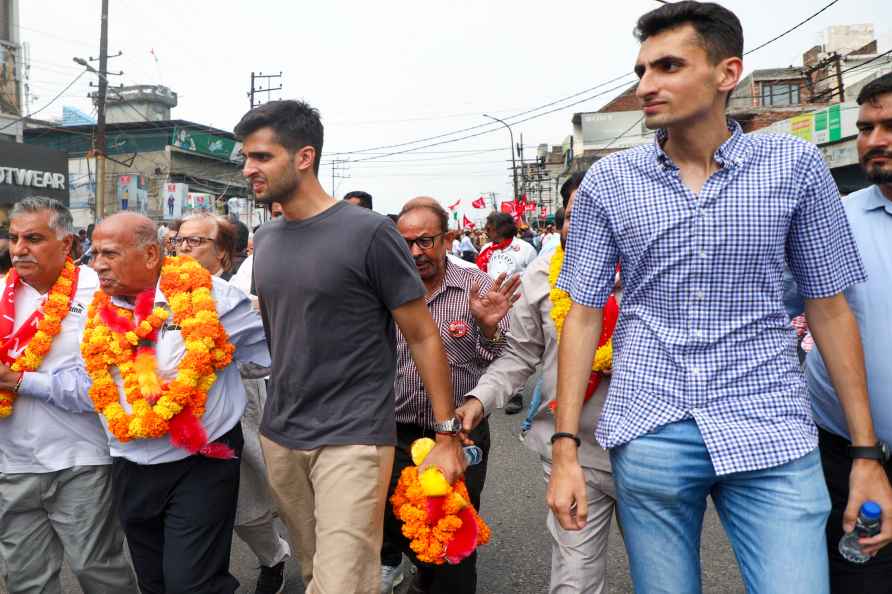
53, 100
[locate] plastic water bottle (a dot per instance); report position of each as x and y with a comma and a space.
473, 455
867, 524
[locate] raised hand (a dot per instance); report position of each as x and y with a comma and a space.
489, 309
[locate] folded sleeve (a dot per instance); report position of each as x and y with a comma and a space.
821, 250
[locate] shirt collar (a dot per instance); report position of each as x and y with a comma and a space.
731, 153
160, 299
452, 279
876, 200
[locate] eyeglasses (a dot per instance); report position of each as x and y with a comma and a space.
193, 241
425, 242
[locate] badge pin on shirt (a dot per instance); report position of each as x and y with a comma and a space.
458, 329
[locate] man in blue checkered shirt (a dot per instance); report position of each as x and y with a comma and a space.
707, 396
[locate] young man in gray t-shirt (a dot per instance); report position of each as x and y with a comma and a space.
332, 278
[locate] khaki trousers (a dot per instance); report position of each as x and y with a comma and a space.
332, 501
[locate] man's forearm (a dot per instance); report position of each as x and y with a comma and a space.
576, 349
836, 333
430, 360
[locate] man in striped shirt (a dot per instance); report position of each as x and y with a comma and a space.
471, 311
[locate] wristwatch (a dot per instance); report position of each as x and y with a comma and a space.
451, 426
879, 452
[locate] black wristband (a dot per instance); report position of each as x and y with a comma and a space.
562, 435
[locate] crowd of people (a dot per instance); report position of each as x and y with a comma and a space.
170, 387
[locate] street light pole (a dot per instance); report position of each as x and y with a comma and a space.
513, 163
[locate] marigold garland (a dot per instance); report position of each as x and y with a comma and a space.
442, 527
56, 307
560, 307
109, 343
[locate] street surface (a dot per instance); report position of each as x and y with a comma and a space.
518, 558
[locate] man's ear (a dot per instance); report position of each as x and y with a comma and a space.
728, 73
153, 256
305, 159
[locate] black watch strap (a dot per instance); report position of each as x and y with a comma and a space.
565, 435
877, 452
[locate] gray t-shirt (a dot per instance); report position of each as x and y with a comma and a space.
327, 285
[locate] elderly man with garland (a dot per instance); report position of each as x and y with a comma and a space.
159, 346
55, 468
578, 558
210, 240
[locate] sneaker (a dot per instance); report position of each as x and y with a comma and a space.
514, 405
271, 579
391, 577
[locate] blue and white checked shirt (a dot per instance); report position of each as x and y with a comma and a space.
703, 332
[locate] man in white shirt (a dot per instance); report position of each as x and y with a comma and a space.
177, 510
505, 252
55, 468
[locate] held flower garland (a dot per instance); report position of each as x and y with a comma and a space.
437, 517
124, 339
560, 307
55, 309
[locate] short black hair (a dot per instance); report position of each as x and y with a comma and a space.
718, 28
365, 199
503, 223
875, 88
572, 183
295, 123
559, 217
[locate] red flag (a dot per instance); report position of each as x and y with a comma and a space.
543, 212
479, 203
466, 222
508, 207
454, 206
530, 207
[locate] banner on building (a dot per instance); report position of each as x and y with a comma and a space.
208, 144
174, 198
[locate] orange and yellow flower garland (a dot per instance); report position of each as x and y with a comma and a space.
560, 307
55, 309
187, 287
437, 517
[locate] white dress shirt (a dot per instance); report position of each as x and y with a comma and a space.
38, 437
226, 398
511, 260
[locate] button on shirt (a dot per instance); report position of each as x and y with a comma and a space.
703, 332
38, 437
226, 398
870, 215
469, 352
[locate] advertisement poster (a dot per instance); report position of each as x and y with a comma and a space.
174, 197
196, 201
132, 193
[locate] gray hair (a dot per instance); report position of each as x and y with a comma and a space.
60, 217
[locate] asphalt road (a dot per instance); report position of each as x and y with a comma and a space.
518, 558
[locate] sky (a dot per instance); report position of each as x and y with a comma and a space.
393, 72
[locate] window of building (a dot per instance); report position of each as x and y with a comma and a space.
779, 95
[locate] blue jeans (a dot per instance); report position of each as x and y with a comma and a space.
774, 518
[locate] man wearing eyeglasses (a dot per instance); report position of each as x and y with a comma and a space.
470, 309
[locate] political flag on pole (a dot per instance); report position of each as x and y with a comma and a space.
466, 222
454, 206
479, 203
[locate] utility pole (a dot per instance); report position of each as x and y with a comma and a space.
337, 172
99, 143
513, 163
259, 79
842, 94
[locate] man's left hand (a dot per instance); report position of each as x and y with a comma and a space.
868, 482
9, 379
448, 456
489, 309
